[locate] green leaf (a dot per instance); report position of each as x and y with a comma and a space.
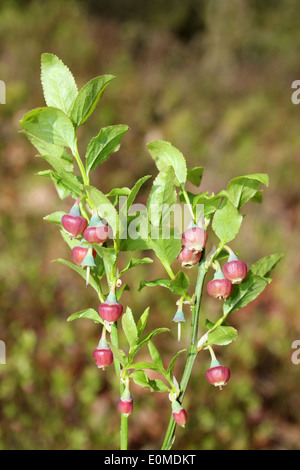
119, 355
210, 203
161, 198
140, 378
172, 364
135, 262
143, 321
242, 294
105, 208
70, 181
103, 145
158, 385
92, 281
221, 336
55, 218
155, 356
88, 98
264, 266
51, 125
166, 250
156, 282
56, 151
226, 222
89, 313
243, 188
66, 185
129, 328
165, 155
60, 90
109, 258
194, 175
179, 284
141, 365
133, 193
145, 339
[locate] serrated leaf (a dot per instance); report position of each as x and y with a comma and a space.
45, 148
133, 193
264, 266
88, 313
221, 336
51, 125
88, 98
243, 188
66, 178
103, 145
59, 87
179, 284
105, 208
165, 155
165, 249
244, 293
129, 328
227, 221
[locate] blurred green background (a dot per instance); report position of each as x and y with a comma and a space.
214, 78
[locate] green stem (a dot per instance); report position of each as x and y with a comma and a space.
185, 195
192, 352
124, 421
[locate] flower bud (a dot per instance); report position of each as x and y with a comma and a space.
79, 253
218, 375
126, 403
194, 238
235, 270
188, 258
96, 232
103, 357
219, 287
73, 222
110, 310
179, 414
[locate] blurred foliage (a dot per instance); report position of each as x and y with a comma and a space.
214, 78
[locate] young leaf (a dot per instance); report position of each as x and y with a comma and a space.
131, 197
172, 364
70, 181
103, 145
264, 266
226, 222
179, 284
165, 155
89, 313
166, 250
244, 293
58, 84
140, 378
142, 321
51, 125
55, 218
129, 328
221, 336
135, 262
88, 98
155, 356
243, 188
158, 385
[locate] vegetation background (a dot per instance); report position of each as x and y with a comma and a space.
214, 78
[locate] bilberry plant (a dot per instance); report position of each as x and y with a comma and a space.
98, 228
